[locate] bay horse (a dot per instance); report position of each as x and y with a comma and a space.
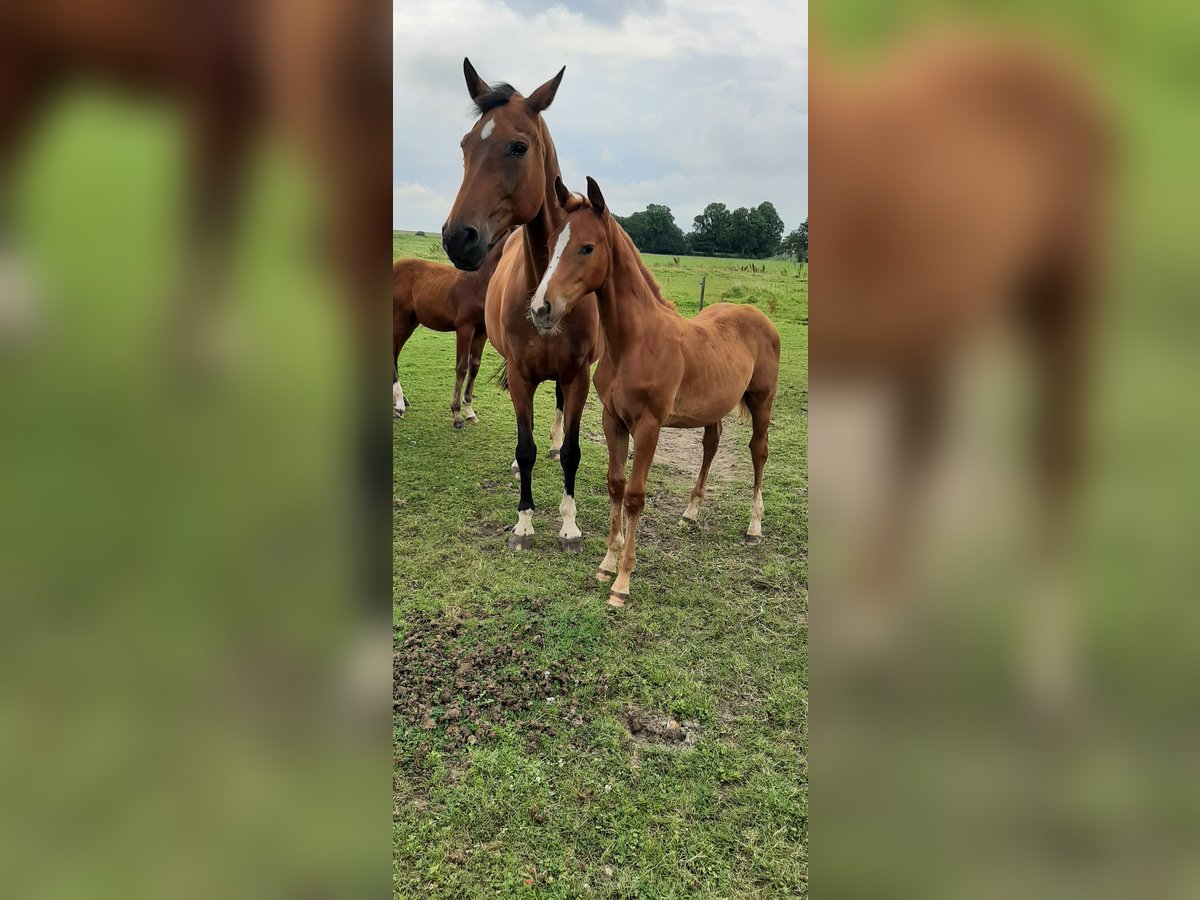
510, 168
442, 299
657, 369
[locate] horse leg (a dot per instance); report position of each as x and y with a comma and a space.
570, 538
461, 364
616, 438
712, 437
401, 332
645, 434
760, 414
473, 370
521, 392
556, 430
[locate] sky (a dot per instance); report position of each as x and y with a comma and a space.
678, 102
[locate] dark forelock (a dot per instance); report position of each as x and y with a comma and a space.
497, 95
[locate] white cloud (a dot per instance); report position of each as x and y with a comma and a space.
674, 102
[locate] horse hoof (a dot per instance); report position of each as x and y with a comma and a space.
398, 413
458, 424
753, 539
555, 455
473, 419
689, 523
571, 545
617, 599
604, 575
520, 541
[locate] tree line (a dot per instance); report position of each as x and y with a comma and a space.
755, 233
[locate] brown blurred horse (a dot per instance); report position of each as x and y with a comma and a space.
442, 299
658, 369
957, 184
510, 169
316, 73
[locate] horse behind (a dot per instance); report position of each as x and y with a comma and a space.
657, 369
442, 299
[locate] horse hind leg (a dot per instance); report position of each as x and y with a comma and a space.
712, 437
570, 538
465, 336
556, 430
473, 370
760, 414
400, 335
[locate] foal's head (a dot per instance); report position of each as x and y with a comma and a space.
580, 256
504, 178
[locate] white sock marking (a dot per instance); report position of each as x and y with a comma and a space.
693, 509
397, 397
567, 510
524, 522
556, 431
756, 511
539, 296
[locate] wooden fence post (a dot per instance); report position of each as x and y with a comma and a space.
703, 278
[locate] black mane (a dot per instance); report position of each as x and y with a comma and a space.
497, 95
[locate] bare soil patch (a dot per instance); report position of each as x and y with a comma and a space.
653, 730
683, 449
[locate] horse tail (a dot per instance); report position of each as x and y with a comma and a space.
743, 411
500, 376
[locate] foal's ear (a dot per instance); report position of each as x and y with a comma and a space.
476, 86
595, 197
541, 99
561, 192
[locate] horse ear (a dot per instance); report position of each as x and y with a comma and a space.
560, 191
595, 197
540, 100
476, 86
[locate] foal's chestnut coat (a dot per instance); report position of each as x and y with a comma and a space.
657, 369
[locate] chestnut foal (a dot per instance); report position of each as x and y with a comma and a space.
510, 168
657, 369
442, 299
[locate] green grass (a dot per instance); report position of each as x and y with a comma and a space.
538, 789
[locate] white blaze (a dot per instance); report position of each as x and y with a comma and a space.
539, 296
487, 129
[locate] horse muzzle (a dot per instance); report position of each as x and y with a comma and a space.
465, 245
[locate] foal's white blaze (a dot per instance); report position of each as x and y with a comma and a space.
539, 296
567, 510
756, 511
486, 132
524, 522
556, 432
397, 397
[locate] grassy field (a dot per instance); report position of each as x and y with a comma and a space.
536, 750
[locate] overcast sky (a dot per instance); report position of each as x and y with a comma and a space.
681, 102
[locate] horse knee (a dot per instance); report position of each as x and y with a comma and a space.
616, 488
635, 502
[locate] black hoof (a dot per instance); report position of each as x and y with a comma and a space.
571, 545
753, 539
555, 455
458, 423
520, 541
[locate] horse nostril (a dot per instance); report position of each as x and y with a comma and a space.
470, 236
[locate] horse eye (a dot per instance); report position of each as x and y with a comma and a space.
587, 249
516, 148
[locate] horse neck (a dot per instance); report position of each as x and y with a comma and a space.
549, 216
627, 304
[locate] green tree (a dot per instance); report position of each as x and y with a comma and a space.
795, 245
654, 230
710, 230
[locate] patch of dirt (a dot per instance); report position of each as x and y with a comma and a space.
455, 679
652, 730
683, 449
